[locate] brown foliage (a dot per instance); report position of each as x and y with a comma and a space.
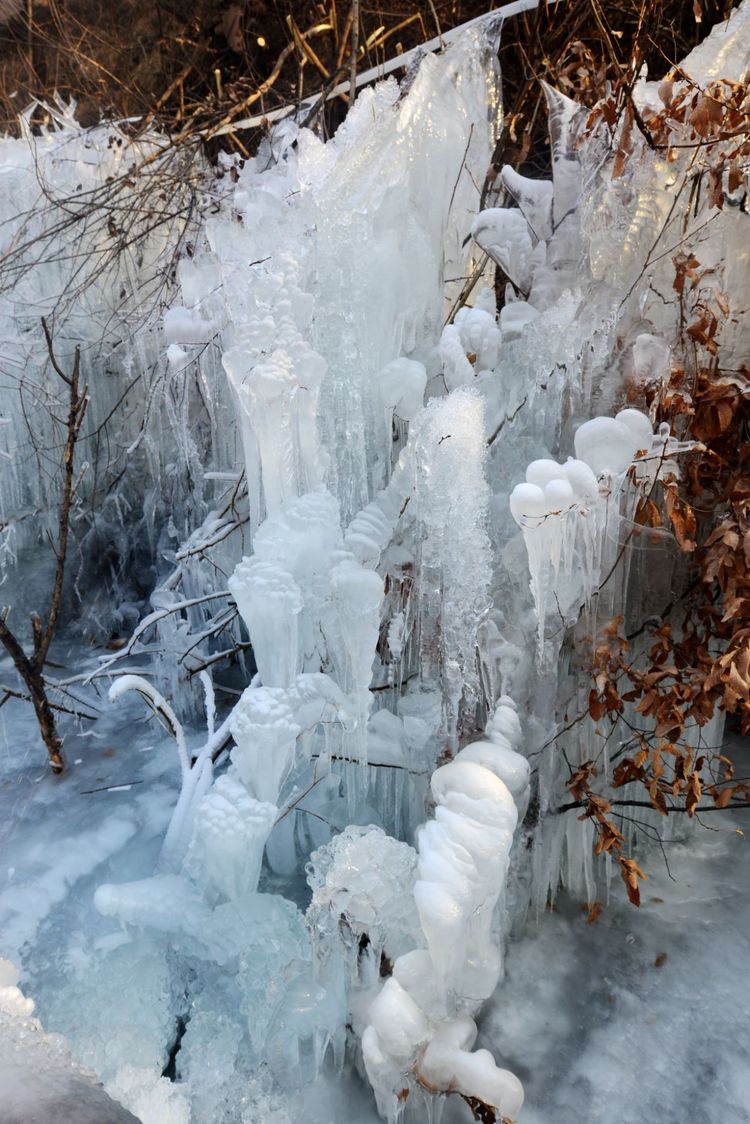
180, 61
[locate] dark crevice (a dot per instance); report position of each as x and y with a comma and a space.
170, 1069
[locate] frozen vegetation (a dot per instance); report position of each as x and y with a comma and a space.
322, 891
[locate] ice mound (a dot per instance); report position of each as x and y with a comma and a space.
480, 336
402, 385
503, 233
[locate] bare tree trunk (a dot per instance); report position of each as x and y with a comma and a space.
31, 668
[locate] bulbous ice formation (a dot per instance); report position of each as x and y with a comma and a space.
528, 504
515, 316
457, 370
582, 480
361, 884
552, 489
559, 510
651, 357
265, 733
229, 836
480, 336
610, 444
503, 233
543, 471
559, 496
402, 385
420, 1029
12, 999
448, 1062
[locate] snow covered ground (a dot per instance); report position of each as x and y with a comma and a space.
640, 1017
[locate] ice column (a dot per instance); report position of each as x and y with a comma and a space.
451, 497
420, 1027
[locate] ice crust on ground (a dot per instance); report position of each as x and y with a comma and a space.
40, 1082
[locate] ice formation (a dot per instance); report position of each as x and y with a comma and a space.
419, 1030
397, 507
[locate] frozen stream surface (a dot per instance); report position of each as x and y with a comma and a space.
598, 1022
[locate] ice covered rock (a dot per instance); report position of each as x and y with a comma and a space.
155, 1098
39, 1081
651, 357
515, 317
12, 999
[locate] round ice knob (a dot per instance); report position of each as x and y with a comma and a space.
606, 445
581, 479
559, 495
542, 471
528, 504
639, 424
